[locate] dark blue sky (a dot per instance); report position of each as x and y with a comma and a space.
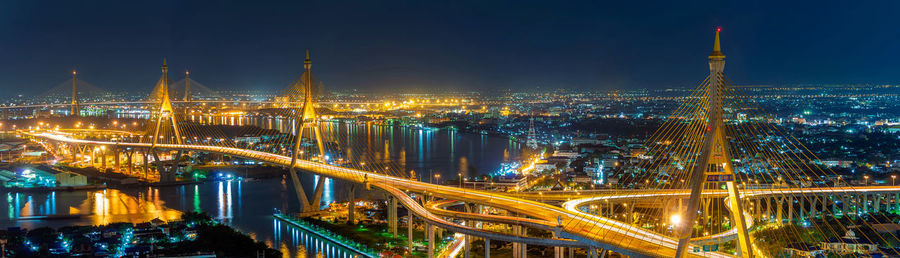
385, 45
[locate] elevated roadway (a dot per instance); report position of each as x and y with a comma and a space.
586, 229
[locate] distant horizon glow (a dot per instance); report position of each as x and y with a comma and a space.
382, 46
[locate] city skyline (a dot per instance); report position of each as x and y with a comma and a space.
386, 46
429, 129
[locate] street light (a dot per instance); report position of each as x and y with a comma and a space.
675, 220
893, 177
867, 179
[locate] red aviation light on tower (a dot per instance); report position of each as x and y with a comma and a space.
717, 48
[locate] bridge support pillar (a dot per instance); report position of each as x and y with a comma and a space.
666, 208
571, 252
129, 158
779, 211
517, 247
524, 246
768, 209
93, 156
430, 231
865, 201
834, 208
791, 209
469, 208
812, 206
307, 206
487, 248
611, 211
821, 211
466, 246
316, 203
83, 150
466, 238
167, 170
877, 202
888, 202
392, 215
409, 233
351, 206
870, 198
558, 252
802, 208
116, 163
859, 204
146, 162
481, 210
102, 159
629, 213
757, 208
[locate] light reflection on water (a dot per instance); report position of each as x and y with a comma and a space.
247, 206
224, 204
97, 207
419, 149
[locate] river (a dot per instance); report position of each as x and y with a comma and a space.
248, 205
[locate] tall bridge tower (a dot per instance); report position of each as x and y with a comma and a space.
307, 121
187, 86
75, 109
714, 162
164, 108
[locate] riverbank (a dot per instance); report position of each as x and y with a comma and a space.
43, 178
58, 188
198, 174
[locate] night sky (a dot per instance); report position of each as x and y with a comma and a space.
385, 46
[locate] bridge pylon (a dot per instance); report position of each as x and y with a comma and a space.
164, 110
187, 87
75, 109
714, 162
308, 122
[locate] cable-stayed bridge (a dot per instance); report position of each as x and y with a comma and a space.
716, 173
